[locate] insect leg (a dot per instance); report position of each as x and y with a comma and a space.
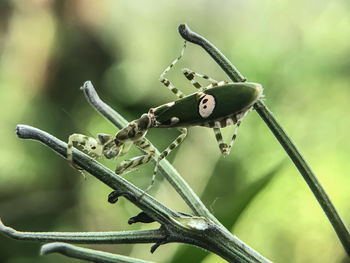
166, 82
234, 136
224, 148
129, 165
190, 75
166, 152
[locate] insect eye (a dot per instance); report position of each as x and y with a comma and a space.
206, 105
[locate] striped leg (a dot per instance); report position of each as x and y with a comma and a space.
190, 75
224, 148
166, 82
129, 165
103, 145
234, 136
166, 152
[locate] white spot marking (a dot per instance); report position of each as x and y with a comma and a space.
174, 120
206, 105
217, 124
229, 122
170, 104
222, 83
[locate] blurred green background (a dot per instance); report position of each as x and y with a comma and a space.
298, 50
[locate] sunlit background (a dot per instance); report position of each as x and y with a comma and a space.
298, 50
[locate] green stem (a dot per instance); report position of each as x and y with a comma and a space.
286, 142
307, 173
197, 231
121, 237
147, 203
86, 254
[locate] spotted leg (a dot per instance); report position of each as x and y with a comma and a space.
224, 148
239, 121
190, 75
102, 146
166, 82
166, 152
129, 165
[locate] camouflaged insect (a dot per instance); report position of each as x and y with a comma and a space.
215, 106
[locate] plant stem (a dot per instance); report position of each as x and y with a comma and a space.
86, 254
121, 237
307, 173
198, 231
286, 142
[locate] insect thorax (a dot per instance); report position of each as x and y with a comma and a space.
135, 130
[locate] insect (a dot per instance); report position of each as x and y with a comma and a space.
215, 106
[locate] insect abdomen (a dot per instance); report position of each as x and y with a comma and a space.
218, 104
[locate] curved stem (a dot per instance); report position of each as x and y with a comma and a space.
286, 142
86, 254
215, 53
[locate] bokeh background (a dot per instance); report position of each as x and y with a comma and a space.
298, 50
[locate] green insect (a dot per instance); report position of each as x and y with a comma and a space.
216, 106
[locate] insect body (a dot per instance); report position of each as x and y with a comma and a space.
218, 105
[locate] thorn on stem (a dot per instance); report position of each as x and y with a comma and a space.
154, 247
113, 196
141, 217
161, 242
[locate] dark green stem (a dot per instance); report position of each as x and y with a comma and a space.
286, 142
120, 237
86, 254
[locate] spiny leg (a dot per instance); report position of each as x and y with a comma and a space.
166, 152
190, 75
166, 82
224, 148
129, 165
234, 136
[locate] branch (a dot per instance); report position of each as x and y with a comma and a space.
87, 254
124, 237
151, 206
198, 231
286, 142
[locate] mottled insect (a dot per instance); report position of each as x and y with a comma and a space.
216, 106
